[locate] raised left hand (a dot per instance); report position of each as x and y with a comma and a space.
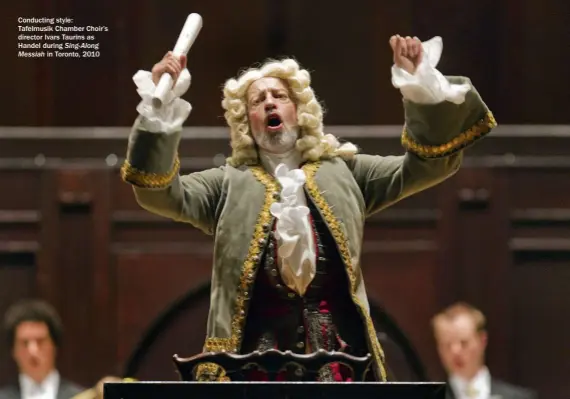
408, 52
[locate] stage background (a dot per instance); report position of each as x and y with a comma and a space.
497, 234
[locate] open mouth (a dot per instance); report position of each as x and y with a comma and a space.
274, 122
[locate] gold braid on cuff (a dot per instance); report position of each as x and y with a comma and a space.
144, 179
476, 132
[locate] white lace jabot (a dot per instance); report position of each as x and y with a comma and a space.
296, 247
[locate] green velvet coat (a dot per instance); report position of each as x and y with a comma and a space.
232, 204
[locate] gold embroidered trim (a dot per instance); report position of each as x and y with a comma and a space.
218, 345
248, 269
477, 131
339, 237
211, 372
144, 179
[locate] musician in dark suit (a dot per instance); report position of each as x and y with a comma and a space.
461, 337
34, 333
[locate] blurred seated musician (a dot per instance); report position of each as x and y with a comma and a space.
287, 209
461, 335
34, 332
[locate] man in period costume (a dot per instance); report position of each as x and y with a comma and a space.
287, 210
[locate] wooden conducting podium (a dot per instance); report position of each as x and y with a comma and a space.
307, 368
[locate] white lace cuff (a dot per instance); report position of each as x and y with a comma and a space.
427, 85
174, 111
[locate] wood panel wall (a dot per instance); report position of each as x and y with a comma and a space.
496, 234
510, 49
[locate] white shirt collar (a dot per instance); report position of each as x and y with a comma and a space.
480, 385
47, 389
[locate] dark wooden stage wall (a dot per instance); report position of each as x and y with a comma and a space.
510, 49
497, 234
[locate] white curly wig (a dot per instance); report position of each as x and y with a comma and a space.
312, 143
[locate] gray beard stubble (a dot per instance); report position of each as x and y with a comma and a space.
280, 141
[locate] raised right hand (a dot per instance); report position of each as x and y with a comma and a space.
408, 52
169, 64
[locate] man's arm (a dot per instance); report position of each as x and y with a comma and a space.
443, 116
152, 165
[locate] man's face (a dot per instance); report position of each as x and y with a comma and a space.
272, 115
34, 350
461, 348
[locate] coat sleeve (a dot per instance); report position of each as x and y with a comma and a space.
152, 167
434, 137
